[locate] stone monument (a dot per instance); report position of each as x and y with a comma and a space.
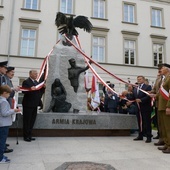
58, 68
61, 68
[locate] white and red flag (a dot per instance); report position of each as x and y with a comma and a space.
95, 97
87, 84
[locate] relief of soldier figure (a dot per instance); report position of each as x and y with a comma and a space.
58, 94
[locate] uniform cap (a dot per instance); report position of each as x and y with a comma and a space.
10, 69
166, 65
3, 64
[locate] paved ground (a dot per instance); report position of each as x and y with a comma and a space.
122, 153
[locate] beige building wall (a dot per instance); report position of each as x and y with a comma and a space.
113, 27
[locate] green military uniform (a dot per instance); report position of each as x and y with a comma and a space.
165, 119
155, 90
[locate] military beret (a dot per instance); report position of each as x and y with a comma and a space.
166, 65
10, 69
3, 64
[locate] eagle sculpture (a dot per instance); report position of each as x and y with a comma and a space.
67, 25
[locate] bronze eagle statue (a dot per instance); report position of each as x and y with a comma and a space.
67, 25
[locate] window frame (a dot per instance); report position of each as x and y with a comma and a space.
162, 17
29, 24
134, 11
129, 49
98, 47
28, 39
130, 36
157, 52
66, 10
1, 3
157, 39
38, 5
100, 32
98, 13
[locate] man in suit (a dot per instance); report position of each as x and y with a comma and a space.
30, 103
143, 102
163, 98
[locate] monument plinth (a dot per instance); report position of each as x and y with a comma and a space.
81, 124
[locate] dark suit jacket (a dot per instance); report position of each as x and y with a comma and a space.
145, 105
31, 98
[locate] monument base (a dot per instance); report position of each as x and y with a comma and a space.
81, 124
70, 133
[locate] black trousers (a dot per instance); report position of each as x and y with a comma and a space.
29, 117
144, 129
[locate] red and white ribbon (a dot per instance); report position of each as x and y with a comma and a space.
164, 93
44, 69
95, 73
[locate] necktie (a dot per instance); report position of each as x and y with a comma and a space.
139, 88
35, 82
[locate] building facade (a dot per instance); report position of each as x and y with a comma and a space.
129, 37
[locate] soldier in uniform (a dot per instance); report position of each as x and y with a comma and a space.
163, 106
9, 75
153, 92
3, 70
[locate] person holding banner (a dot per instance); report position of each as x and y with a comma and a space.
143, 102
30, 102
163, 99
158, 117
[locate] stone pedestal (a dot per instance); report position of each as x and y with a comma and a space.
81, 124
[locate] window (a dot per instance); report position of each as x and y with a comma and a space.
130, 47
157, 17
158, 53
28, 42
31, 4
129, 51
98, 50
129, 13
66, 6
99, 8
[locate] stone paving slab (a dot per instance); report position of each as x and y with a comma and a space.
84, 166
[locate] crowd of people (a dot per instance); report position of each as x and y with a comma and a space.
142, 100
30, 103
136, 100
